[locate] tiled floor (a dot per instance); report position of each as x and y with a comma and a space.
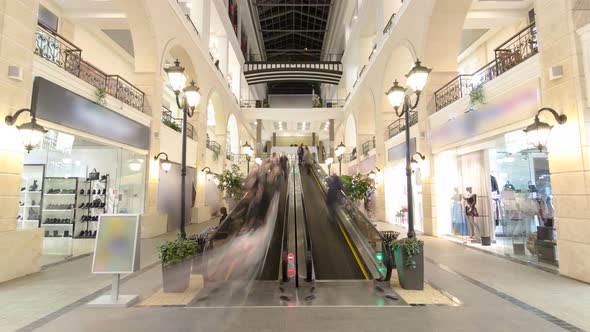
30, 298
496, 295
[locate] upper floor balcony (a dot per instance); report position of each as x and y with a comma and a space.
176, 123
326, 71
511, 53
58, 50
399, 125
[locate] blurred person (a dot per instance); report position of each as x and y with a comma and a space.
284, 161
335, 186
223, 212
300, 152
308, 158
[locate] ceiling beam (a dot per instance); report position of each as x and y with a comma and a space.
292, 30
292, 11
292, 5
308, 37
277, 36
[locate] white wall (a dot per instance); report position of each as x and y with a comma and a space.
290, 101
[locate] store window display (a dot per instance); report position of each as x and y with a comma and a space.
396, 201
71, 181
506, 205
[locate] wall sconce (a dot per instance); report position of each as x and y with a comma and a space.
165, 163
31, 133
373, 174
538, 132
417, 163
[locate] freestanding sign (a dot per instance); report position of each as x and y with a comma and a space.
116, 252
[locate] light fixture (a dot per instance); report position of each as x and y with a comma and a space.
247, 149
165, 164
417, 77
210, 175
538, 132
192, 95
373, 174
417, 162
258, 161
31, 133
396, 95
340, 149
176, 76
135, 165
329, 161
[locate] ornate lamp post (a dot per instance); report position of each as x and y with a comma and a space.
31, 133
538, 132
339, 153
329, 162
247, 149
187, 102
399, 97
165, 164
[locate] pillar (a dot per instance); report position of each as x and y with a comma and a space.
274, 139
258, 137
380, 152
21, 249
153, 222
313, 139
200, 212
569, 163
331, 147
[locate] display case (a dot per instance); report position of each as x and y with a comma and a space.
31, 197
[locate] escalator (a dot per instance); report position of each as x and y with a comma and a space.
333, 254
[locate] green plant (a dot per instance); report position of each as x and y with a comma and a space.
477, 96
411, 247
172, 252
101, 96
230, 182
171, 124
358, 187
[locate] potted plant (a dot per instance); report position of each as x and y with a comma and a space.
230, 182
358, 187
176, 264
101, 96
476, 97
409, 262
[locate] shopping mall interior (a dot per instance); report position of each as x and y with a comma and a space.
295, 165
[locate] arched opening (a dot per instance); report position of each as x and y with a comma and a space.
232, 136
350, 132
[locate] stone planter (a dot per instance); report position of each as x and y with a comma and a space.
410, 278
176, 277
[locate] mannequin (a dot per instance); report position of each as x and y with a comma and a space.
471, 212
457, 216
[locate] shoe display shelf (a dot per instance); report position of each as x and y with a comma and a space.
92, 203
59, 213
31, 197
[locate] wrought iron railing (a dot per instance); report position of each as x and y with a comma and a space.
328, 57
214, 146
176, 123
334, 103
368, 146
389, 24
188, 17
61, 52
399, 125
514, 51
317, 65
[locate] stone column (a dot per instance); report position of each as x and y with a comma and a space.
258, 146
200, 212
331, 147
569, 163
21, 249
380, 152
313, 139
274, 139
153, 223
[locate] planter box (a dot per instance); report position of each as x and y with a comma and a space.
176, 277
410, 278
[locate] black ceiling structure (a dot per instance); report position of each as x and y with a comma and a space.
292, 31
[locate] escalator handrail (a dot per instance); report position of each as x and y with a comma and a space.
384, 243
308, 243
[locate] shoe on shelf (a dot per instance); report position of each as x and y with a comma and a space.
47, 234
94, 234
79, 235
81, 191
55, 233
66, 233
23, 188
104, 191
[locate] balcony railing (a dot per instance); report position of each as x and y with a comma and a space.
368, 146
176, 123
214, 146
389, 24
59, 51
514, 51
254, 103
399, 125
334, 103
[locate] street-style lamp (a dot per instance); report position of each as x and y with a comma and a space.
31, 133
538, 132
188, 101
329, 162
399, 97
165, 164
247, 149
339, 153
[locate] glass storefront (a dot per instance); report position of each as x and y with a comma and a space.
497, 195
68, 182
396, 200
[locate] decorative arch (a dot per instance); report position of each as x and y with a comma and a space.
173, 51
233, 134
142, 33
350, 132
216, 113
401, 60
